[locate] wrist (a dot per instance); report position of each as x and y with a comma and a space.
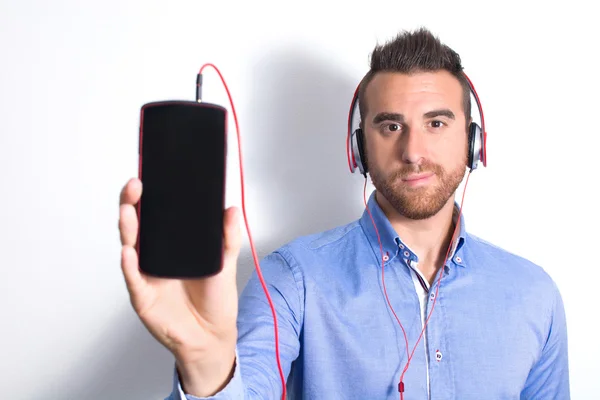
207, 377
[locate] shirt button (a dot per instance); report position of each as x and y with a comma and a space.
438, 355
386, 257
406, 254
458, 259
432, 295
401, 246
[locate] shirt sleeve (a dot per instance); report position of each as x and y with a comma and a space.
549, 377
256, 375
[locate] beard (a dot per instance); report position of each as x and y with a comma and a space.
420, 202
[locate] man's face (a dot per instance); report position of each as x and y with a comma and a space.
416, 140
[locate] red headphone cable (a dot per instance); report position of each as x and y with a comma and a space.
254, 256
401, 382
257, 264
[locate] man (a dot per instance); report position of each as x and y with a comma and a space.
497, 329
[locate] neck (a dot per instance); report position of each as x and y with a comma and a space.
428, 238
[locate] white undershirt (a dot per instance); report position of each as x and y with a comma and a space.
422, 294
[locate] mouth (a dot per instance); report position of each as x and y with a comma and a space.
417, 179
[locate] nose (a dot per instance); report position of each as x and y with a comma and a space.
412, 147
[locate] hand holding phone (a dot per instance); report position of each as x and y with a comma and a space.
180, 247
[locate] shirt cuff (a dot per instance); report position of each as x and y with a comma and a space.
233, 390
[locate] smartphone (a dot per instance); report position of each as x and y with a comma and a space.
182, 166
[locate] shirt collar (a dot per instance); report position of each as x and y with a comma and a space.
392, 243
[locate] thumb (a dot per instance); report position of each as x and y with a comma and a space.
232, 238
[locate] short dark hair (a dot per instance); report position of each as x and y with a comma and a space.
416, 51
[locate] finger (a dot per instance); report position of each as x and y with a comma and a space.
232, 237
131, 192
128, 224
131, 272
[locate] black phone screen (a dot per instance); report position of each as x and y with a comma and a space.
182, 169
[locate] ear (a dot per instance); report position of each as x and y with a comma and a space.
468, 129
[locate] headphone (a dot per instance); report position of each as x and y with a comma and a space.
355, 139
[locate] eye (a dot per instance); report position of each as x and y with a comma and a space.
391, 127
437, 124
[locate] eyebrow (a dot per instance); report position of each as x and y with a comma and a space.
442, 112
387, 116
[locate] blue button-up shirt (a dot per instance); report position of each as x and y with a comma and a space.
497, 331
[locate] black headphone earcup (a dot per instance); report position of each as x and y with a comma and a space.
361, 151
471, 150
475, 145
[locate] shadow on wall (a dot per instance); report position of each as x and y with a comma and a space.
297, 152
127, 363
298, 124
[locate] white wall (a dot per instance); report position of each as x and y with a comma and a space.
73, 76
